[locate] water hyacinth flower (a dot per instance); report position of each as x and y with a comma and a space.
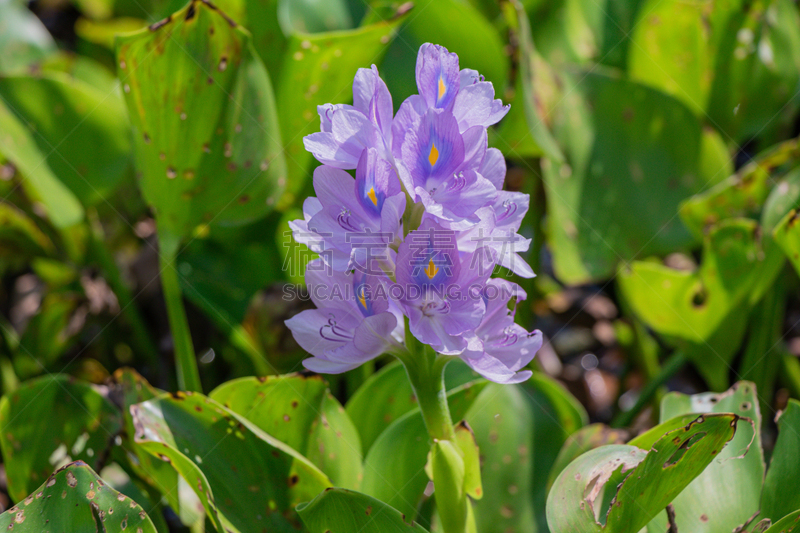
413, 239
350, 219
349, 326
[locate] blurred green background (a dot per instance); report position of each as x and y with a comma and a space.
657, 139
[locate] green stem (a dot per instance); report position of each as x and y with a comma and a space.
185, 359
674, 363
425, 370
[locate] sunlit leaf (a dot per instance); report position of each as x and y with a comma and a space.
206, 136
652, 479
76, 499
246, 479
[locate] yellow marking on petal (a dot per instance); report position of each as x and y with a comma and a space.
442, 88
433, 157
372, 196
362, 300
432, 270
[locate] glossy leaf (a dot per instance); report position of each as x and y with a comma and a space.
319, 69
788, 524
702, 506
130, 388
83, 131
394, 465
206, 137
74, 421
284, 407
781, 491
340, 510
652, 479
75, 499
502, 420
585, 439
240, 473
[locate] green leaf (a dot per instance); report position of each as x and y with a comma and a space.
702, 506
394, 465
83, 131
781, 493
743, 194
76, 499
787, 524
206, 137
318, 69
556, 415
585, 439
240, 473
382, 399
343, 510
335, 446
671, 52
502, 420
50, 420
23, 38
536, 89
130, 388
756, 77
298, 411
692, 305
628, 145
651, 479
20, 236
38, 181
313, 16
284, 407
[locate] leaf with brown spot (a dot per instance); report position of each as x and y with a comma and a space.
209, 130
621, 488
75, 499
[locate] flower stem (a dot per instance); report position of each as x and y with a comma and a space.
185, 360
425, 369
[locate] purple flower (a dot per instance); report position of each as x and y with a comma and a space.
352, 323
435, 153
439, 166
439, 287
499, 348
351, 221
442, 86
348, 130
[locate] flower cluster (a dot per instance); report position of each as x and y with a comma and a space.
419, 230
